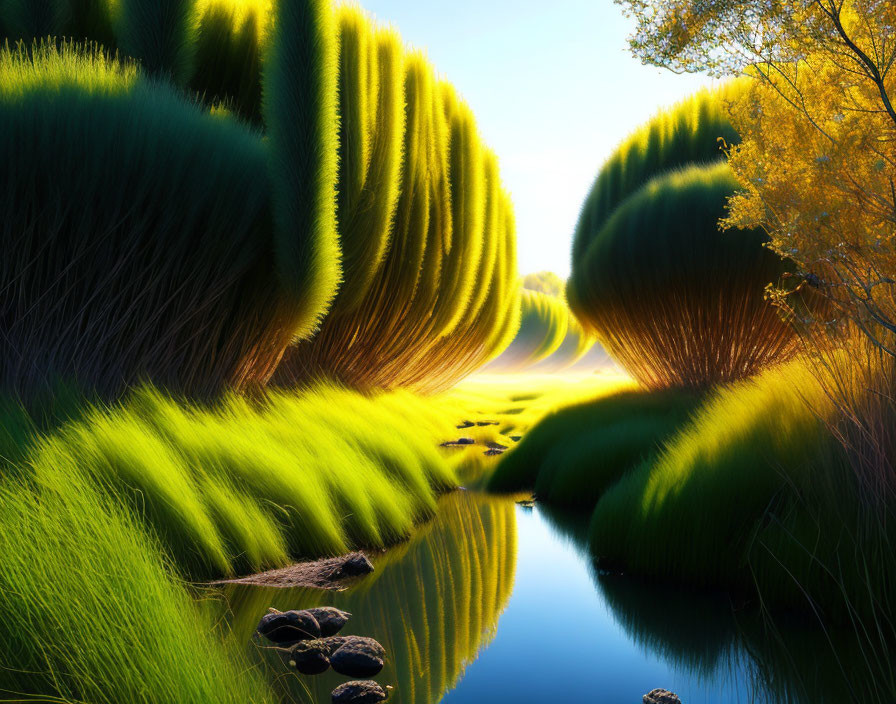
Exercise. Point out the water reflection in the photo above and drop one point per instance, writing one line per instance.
(433, 603)
(785, 659)
(567, 632)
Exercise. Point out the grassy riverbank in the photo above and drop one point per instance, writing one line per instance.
(108, 511)
(743, 488)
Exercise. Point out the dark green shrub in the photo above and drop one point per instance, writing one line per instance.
(672, 299)
(129, 256)
(161, 35)
(574, 455)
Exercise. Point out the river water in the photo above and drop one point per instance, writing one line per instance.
(495, 602)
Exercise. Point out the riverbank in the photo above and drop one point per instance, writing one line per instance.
(124, 505)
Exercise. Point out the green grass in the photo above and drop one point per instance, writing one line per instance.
(691, 513)
(672, 299)
(238, 486)
(104, 508)
(92, 611)
(166, 276)
(685, 134)
(572, 456)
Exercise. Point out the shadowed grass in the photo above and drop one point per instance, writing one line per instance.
(576, 453)
(730, 499)
(161, 35)
(164, 242)
(673, 300)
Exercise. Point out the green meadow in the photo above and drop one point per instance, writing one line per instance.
(261, 304)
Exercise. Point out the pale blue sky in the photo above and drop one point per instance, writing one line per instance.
(554, 90)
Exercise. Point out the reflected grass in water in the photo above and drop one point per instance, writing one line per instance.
(432, 602)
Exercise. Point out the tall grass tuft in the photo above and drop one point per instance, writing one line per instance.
(300, 114)
(235, 487)
(549, 339)
(686, 134)
(165, 276)
(442, 300)
(91, 610)
(673, 300)
(230, 45)
(161, 35)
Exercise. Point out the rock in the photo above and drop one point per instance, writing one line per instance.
(353, 565)
(357, 657)
(330, 619)
(310, 657)
(484, 423)
(495, 446)
(493, 453)
(461, 442)
(661, 696)
(285, 628)
(333, 643)
(516, 438)
(466, 424)
(526, 503)
(359, 692)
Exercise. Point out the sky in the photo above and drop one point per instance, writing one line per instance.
(554, 89)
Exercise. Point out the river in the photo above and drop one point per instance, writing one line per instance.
(492, 601)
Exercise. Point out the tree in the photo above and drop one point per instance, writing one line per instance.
(817, 162)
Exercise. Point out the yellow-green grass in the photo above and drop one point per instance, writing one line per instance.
(241, 486)
(550, 338)
(91, 609)
(576, 453)
(513, 405)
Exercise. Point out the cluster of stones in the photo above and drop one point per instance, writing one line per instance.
(310, 645)
(494, 448)
(661, 696)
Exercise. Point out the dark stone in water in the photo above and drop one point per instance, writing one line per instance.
(330, 619)
(493, 453)
(661, 696)
(310, 657)
(466, 424)
(495, 446)
(460, 442)
(366, 692)
(286, 628)
(357, 657)
(526, 503)
(516, 438)
(353, 565)
(484, 423)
